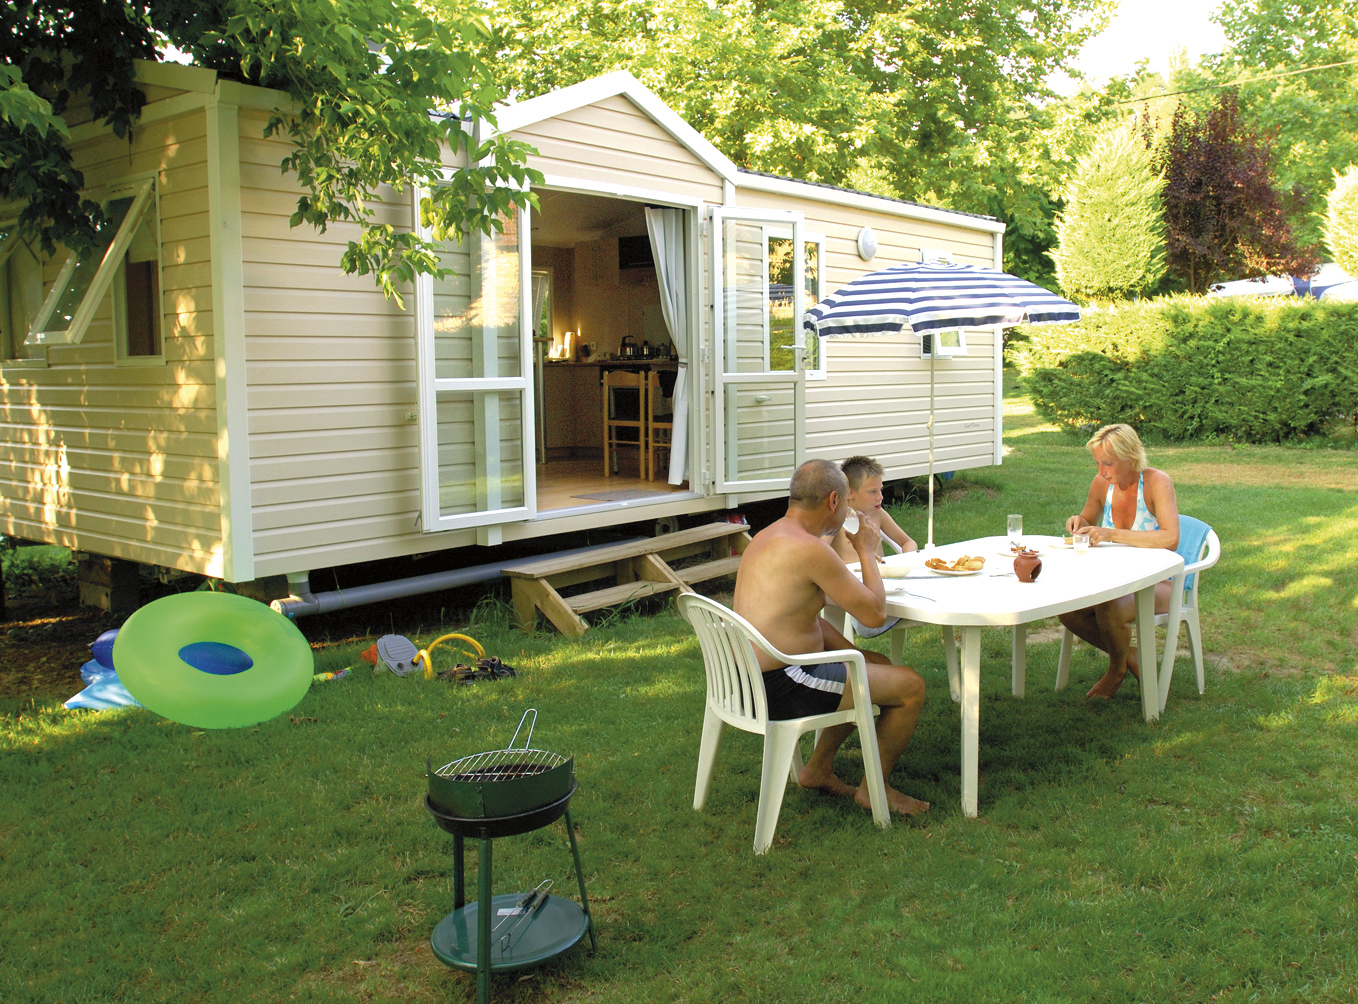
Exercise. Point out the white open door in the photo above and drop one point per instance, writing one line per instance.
(475, 377)
(758, 360)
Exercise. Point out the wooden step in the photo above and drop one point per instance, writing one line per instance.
(643, 562)
(708, 570)
(614, 595)
(651, 545)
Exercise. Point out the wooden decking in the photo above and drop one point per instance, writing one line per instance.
(561, 482)
(640, 568)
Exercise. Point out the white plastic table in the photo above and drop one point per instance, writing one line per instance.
(1068, 581)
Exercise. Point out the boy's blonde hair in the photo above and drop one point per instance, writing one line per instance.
(1124, 444)
(859, 469)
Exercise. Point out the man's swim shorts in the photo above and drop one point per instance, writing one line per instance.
(801, 691)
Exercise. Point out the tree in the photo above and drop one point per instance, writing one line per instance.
(1028, 243)
(1046, 149)
(376, 86)
(1341, 220)
(1312, 110)
(1223, 217)
(925, 100)
(1112, 231)
(35, 167)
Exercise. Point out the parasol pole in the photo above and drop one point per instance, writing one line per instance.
(933, 351)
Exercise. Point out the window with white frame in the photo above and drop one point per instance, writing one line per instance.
(20, 291)
(780, 326)
(126, 258)
(814, 275)
(138, 310)
(946, 343)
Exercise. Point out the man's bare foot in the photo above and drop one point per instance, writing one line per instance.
(824, 781)
(898, 803)
(1107, 687)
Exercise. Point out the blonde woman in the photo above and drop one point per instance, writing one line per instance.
(1128, 503)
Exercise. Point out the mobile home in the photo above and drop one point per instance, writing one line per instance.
(210, 392)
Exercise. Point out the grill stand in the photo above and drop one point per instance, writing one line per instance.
(451, 936)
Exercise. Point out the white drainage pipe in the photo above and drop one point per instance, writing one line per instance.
(303, 602)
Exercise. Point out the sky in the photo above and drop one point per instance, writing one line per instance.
(1147, 29)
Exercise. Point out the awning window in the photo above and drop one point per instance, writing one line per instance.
(85, 278)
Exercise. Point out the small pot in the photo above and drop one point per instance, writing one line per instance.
(1027, 566)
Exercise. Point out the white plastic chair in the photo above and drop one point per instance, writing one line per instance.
(1188, 614)
(735, 696)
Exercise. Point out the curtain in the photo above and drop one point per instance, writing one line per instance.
(666, 229)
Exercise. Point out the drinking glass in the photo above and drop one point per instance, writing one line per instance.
(1081, 543)
(1015, 528)
(851, 522)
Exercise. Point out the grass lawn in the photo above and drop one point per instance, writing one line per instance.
(1210, 856)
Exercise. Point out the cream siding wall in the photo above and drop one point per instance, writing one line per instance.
(875, 399)
(330, 367)
(122, 460)
(613, 142)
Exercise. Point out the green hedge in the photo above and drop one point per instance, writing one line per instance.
(1181, 368)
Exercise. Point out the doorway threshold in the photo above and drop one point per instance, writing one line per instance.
(591, 508)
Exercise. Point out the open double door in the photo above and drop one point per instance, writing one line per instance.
(475, 371)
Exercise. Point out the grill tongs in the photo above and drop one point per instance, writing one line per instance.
(526, 911)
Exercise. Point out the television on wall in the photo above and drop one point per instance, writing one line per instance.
(635, 252)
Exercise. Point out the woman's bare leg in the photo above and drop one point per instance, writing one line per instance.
(1085, 626)
(1114, 619)
(1162, 591)
(1108, 627)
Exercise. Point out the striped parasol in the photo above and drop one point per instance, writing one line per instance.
(934, 296)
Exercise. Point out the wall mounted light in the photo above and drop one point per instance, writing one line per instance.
(867, 244)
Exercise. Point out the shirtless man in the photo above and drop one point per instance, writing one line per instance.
(786, 575)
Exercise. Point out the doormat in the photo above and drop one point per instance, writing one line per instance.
(621, 495)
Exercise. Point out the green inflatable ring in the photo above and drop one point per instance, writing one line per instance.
(213, 660)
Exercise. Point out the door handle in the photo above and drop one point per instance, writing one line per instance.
(762, 399)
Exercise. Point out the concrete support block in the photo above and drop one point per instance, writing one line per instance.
(111, 584)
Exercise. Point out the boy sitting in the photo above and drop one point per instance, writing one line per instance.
(865, 496)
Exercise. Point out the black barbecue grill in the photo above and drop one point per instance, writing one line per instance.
(502, 793)
(502, 784)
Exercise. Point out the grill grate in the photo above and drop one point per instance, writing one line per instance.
(506, 764)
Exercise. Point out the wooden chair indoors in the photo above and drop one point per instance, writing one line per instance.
(625, 418)
(660, 428)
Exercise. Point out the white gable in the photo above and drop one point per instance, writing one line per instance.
(588, 92)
